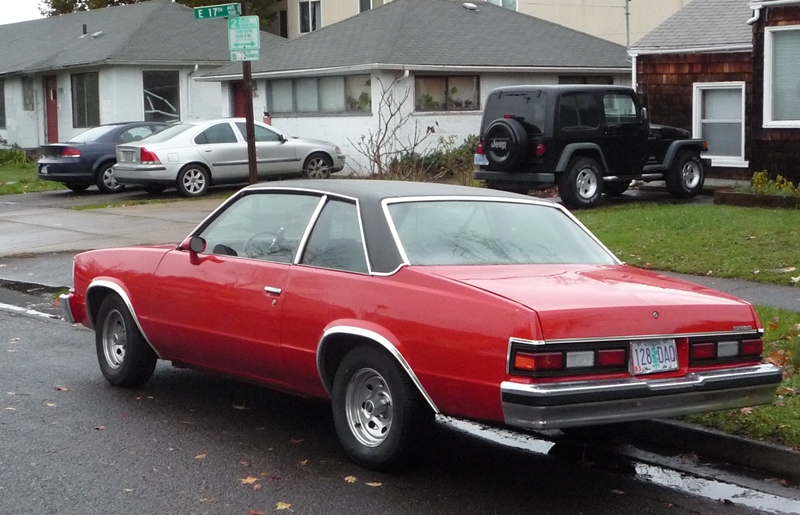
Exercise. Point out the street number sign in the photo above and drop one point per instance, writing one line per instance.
(217, 11)
(243, 33)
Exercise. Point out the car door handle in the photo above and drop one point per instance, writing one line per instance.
(206, 150)
(270, 289)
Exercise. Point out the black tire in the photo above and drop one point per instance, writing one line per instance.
(378, 413)
(615, 189)
(685, 178)
(76, 186)
(193, 180)
(505, 186)
(155, 189)
(105, 179)
(505, 144)
(317, 166)
(581, 185)
(125, 358)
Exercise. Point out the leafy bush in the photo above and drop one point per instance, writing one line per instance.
(446, 160)
(13, 155)
(763, 185)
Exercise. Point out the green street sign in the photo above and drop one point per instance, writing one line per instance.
(217, 11)
(243, 33)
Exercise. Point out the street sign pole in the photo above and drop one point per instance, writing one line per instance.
(247, 77)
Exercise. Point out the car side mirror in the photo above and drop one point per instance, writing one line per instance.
(197, 244)
(645, 116)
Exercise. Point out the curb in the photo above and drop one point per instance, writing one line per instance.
(710, 443)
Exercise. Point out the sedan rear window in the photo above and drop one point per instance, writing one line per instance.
(170, 132)
(93, 134)
(492, 233)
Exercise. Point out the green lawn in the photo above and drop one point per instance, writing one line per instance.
(21, 178)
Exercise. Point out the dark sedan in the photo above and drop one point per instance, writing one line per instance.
(87, 158)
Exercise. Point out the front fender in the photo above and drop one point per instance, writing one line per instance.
(676, 146)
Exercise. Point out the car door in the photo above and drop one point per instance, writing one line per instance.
(225, 151)
(275, 153)
(624, 134)
(220, 309)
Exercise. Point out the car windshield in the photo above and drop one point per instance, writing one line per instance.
(93, 134)
(468, 232)
(169, 132)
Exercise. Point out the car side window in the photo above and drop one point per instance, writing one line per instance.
(619, 108)
(219, 133)
(262, 133)
(267, 226)
(135, 134)
(578, 111)
(335, 242)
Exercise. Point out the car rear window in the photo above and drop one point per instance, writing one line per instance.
(169, 133)
(528, 107)
(93, 134)
(468, 232)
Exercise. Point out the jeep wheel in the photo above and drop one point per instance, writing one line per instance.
(615, 189)
(582, 184)
(685, 178)
(506, 144)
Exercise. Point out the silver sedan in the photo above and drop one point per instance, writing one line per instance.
(194, 155)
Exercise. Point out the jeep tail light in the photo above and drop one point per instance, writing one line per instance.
(752, 347)
(71, 152)
(540, 150)
(147, 157)
(539, 361)
(479, 148)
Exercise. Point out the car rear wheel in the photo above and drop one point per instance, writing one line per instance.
(193, 181)
(105, 179)
(317, 166)
(125, 358)
(581, 185)
(378, 412)
(685, 179)
(76, 186)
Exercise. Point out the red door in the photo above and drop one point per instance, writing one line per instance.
(238, 99)
(51, 108)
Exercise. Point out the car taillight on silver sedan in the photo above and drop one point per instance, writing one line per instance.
(148, 158)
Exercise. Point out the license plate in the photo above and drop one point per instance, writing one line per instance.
(649, 356)
(43, 171)
(481, 160)
(127, 155)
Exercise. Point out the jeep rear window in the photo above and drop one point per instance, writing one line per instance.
(527, 107)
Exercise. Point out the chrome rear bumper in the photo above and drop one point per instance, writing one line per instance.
(556, 405)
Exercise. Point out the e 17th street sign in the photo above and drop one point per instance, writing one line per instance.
(217, 11)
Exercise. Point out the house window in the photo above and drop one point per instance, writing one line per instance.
(2, 105)
(283, 24)
(718, 118)
(85, 100)
(310, 16)
(446, 93)
(508, 4)
(28, 94)
(161, 92)
(364, 5)
(313, 95)
(781, 77)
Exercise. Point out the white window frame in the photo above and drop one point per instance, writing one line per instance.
(697, 112)
(768, 122)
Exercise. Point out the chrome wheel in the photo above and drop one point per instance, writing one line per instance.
(194, 181)
(114, 339)
(109, 180)
(317, 167)
(368, 406)
(586, 183)
(691, 174)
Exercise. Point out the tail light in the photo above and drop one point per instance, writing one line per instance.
(147, 157)
(71, 152)
(540, 150)
(568, 359)
(479, 148)
(725, 351)
(539, 361)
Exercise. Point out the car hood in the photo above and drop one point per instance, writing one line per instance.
(579, 301)
(312, 142)
(667, 132)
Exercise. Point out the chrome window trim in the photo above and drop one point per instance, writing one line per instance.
(301, 247)
(380, 340)
(657, 336)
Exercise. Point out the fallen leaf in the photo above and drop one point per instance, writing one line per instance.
(746, 411)
(254, 512)
(303, 462)
(242, 407)
(785, 269)
(50, 404)
(11, 409)
(350, 479)
(245, 463)
(128, 489)
(710, 272)
(299, 440)
(249, 480)
(283, 506)
(138, 397)
(100, 428)
(751, 237)
(796, 279)
(149, 396)
(756, 272)
(374, 484)
(62, 389)
(257, 486)
(618, 492)
(200, 456)
(13, 340)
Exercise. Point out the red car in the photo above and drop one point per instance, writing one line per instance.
(403, 300)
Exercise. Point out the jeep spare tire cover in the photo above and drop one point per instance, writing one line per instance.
(506, 144)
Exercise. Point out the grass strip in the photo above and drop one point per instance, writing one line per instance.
(22, 178)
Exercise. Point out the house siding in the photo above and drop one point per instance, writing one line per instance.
(665, 83)
(773, 150)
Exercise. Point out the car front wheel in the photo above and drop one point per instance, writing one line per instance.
(125, 358)
(378, 412)
(685, 179)
(317, 166)
(105, 179)
(581, 185)
(193, 181)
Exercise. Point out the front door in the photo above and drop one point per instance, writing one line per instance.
(625, 134)
(51, 108)
(275, 155)
(239, 110)
(224, 152)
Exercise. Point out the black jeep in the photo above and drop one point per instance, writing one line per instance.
(588, 140)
